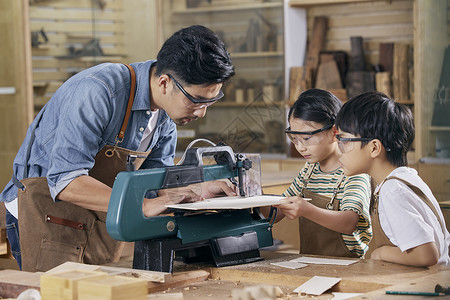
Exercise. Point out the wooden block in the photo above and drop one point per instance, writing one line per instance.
(328, 76)
(112, 288)
(383, 83)
(64, 285)
(400, 75)
(239, 95)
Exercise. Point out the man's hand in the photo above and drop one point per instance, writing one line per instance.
(156, 206)
(212, 189)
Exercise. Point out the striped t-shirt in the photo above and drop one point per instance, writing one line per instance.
(353, 194)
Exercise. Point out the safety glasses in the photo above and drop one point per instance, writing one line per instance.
(346, 144)
(195, 101)
(307, 138)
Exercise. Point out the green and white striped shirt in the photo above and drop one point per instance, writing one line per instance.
(353, 194)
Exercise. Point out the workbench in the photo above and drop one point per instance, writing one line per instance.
(202, 281)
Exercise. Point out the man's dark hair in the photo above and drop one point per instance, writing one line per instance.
(375, 115)
(195, 55)
(316, 105)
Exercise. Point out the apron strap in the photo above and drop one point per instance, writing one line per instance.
(120, 136)
(336, 189)
(419, 193)
(307, 177)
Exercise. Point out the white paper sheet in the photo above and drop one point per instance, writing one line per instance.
(317, 285)
(343, 296)
(289, 264)
(324, 261)
(235, 202)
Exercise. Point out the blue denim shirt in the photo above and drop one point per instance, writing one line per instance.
(86, 113)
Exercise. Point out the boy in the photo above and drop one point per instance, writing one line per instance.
(375, 134)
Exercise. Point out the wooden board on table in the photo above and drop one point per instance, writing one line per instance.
(151, 276)
(14, 282)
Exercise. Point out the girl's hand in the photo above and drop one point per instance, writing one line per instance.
(294, 207)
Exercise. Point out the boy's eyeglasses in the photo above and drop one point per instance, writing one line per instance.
(195, 101)
(346, 144)
(307, 138)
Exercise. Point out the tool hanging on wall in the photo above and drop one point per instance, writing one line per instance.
(38, 38)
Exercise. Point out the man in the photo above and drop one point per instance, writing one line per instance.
(65, 168)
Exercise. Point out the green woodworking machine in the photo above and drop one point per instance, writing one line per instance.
(223, 237)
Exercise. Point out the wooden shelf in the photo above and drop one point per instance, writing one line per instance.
(256, 104)
(100, 58)
(439, 128)
(405, 102)
(256, 54)
(301, 3)
(211, 9)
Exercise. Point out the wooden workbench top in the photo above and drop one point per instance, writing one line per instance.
(365, 276)
(370, 277)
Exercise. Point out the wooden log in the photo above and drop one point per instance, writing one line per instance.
(383, 83)
(400, 81)
(357, 62)
(386, 56)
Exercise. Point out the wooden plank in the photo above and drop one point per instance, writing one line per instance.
(13, 282)
(384, 83)
(316, 44)
(400, 75)
(295, 77)
(179, 279)
(152, 276)
(387, 56)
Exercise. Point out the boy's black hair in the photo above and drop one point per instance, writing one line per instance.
(375, 115)
(316, 105)
(195, 55)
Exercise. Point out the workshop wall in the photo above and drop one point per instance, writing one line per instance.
(71, 35)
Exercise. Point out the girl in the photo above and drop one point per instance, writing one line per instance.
(333, 209)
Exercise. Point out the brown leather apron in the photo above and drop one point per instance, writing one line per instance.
(314, 238)
(379, 238)
(52, 233)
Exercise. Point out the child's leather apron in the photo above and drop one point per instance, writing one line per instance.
(314, 238)
(379, 237)
(52, 233)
